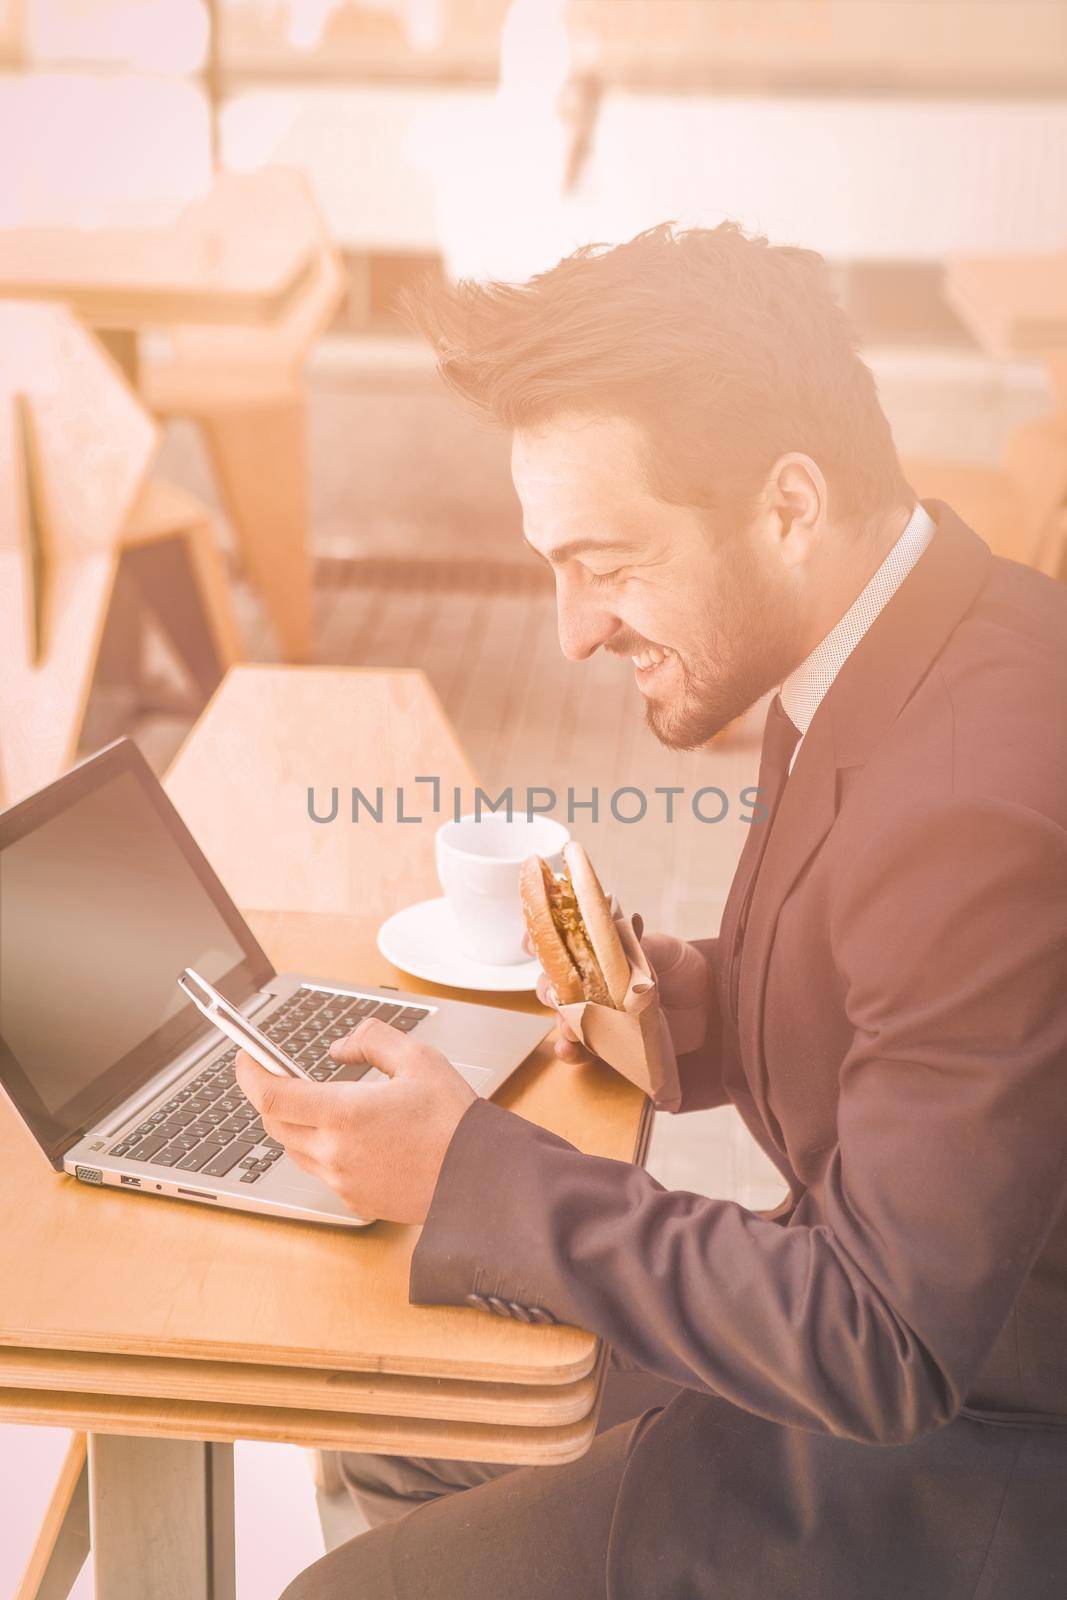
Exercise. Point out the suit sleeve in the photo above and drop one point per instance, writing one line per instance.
(870, 1312)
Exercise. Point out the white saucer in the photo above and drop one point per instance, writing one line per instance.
(423, 940)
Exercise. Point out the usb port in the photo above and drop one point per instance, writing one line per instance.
(131, 1183)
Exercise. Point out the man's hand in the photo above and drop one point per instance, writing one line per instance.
(378, 1145)
(684, 994)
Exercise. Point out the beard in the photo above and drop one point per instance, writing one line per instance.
(746, 641)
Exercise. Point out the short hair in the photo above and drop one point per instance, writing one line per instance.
(727, 350)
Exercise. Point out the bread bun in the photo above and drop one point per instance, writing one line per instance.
(599, 923)
(572, 930)
(549, 947)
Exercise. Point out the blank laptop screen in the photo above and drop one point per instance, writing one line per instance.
(101, 906)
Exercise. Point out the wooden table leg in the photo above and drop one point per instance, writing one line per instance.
(63, 1542)
(260, 457)
(169, 586)
(161, 1518)
(123, 345)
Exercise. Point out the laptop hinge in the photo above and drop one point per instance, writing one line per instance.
(58, 1151)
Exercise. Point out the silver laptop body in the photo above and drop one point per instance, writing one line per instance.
(106, 897)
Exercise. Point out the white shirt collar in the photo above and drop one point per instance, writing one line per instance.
(807, 686)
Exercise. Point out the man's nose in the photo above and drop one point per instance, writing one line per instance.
(583, 628)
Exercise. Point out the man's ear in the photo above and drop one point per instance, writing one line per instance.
(796, 501)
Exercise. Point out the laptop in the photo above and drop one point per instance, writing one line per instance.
(105, 898)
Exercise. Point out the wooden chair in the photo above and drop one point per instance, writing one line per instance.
(1016, 505)
(326, 1472)
(62, 1545)
(87, 541)
(244, 388)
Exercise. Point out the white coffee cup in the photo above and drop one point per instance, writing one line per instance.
(478, 861)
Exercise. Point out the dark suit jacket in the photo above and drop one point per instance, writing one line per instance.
(876, 1375)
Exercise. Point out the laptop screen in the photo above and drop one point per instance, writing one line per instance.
(104, 899)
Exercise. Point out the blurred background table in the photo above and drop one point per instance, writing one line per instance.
(213, 267)
(236, 291)
(1015, 307)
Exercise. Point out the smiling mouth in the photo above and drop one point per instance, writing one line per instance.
(649, 661)
(651, 656)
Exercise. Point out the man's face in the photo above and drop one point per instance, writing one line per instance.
(707, 613)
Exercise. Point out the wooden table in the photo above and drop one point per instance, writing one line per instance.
(217, 264)
(166, 1330)
(1014, 305)
(247, 273)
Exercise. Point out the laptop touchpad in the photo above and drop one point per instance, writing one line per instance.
(475, 1076)
(352, 1072)
(355, 1071)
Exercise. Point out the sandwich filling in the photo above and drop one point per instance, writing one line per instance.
(567, 916)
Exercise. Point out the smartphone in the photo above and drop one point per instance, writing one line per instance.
(238, 1028)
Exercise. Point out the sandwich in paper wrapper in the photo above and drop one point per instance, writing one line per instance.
(592, 956)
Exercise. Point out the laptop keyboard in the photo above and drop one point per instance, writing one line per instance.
(209, 1127)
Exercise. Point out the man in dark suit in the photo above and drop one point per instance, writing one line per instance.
(864, 1394)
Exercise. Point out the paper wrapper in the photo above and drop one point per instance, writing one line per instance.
(635, 1040)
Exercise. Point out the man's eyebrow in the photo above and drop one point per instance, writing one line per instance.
(575, 547)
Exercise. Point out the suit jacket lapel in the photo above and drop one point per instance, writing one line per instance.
(805, 817)
(863, 702)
